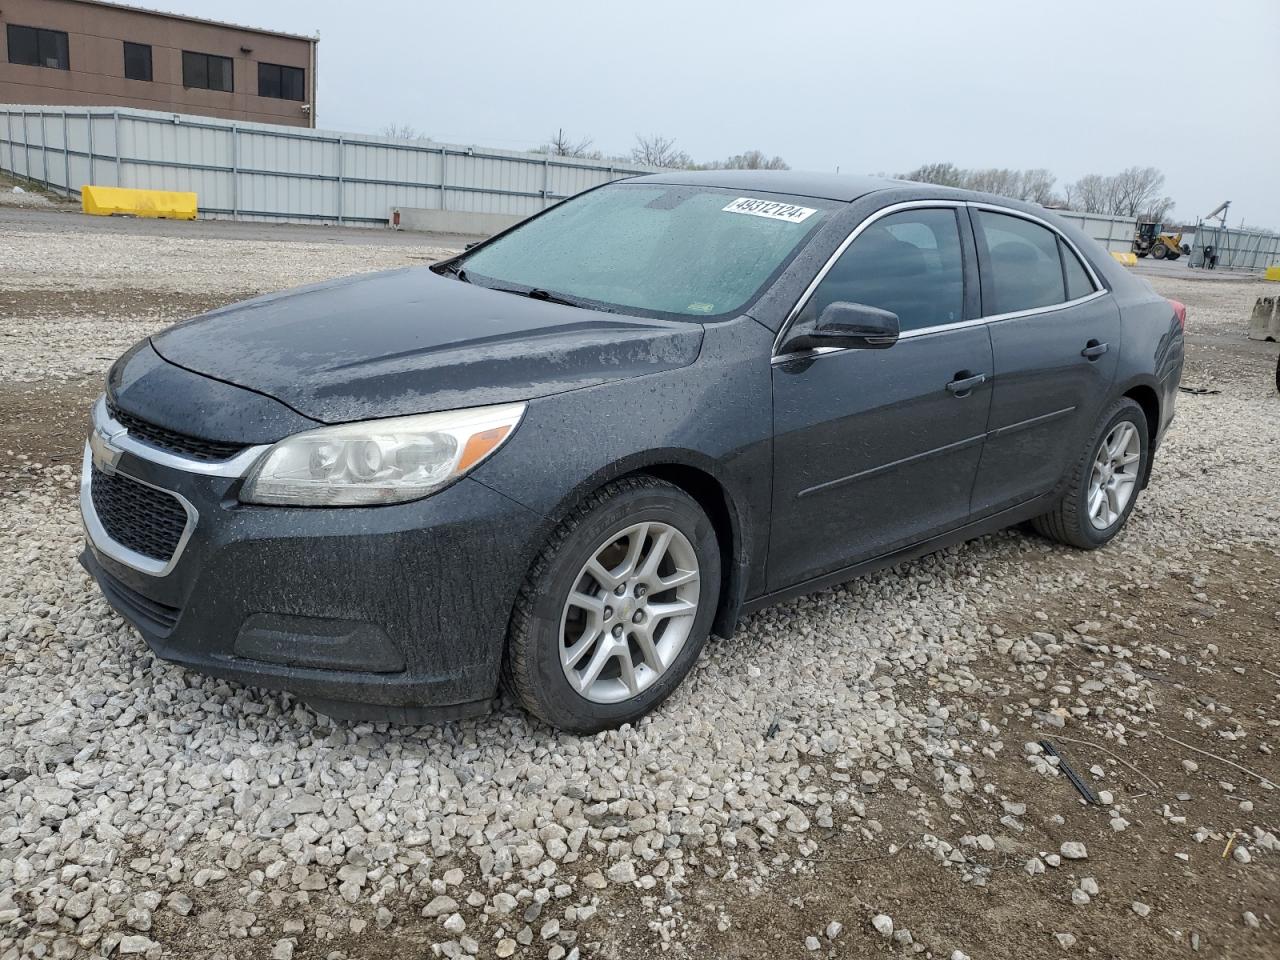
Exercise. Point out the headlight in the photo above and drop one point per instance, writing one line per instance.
(379, 461)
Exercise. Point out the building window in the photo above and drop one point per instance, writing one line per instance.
(137, 61)
(206, 71)
(37, 47)
(283, 83)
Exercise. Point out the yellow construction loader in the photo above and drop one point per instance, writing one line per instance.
(1148, 239)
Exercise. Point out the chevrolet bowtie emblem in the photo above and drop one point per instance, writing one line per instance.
(102, 442)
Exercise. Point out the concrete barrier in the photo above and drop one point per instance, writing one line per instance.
(1128, 259)
(424, 220)
(165, 204)
(1273, 273)
(1264, 323)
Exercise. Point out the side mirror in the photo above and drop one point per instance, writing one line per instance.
(849, 326)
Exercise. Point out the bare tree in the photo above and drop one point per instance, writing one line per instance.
(1133, 192)
(943, 174)
(1037, 186)
(659, 151)
(562, 145)
(402, 131)
(751, 160)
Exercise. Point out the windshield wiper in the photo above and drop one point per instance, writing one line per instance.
(455, 270)
(537, 293)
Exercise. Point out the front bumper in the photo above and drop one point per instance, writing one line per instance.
(393, 613)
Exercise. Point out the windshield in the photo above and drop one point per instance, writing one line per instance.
(657, 249)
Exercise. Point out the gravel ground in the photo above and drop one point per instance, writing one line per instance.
(854, 773)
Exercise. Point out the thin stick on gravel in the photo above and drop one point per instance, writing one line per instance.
(1113, 755)
(882, 856)
(1214, 756)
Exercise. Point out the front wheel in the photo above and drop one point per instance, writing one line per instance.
(1158, 250)
(1104, 482)
(616, 608)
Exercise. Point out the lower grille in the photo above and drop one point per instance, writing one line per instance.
(207, 451)
(148, 615)
(147, 521)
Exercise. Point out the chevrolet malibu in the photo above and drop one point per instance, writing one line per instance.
(561, 459)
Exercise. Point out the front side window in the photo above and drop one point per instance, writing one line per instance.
(908, 263)
(1025, 267)
(137, 61)
(206, 71)
(281, 82)
(37, 47)
(653, 249)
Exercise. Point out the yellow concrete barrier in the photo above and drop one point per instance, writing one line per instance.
(166, 204)
(1128, 259)
(1273, 273)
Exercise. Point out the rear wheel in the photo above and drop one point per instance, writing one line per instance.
(616, 608)
(1104, 482)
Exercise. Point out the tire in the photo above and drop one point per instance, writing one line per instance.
(1142, 254)
(1172, 256)
(545, 623)
(1159, 250)
(1070, 521)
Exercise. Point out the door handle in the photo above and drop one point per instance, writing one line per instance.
(1093, 350)
(965, 382)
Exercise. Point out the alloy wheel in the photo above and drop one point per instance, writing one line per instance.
(1115, 475)
(629, 612)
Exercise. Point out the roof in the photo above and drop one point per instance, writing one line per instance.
(826, 186)
(204, 20)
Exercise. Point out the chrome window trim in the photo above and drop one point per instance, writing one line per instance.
(1099, 289)
(102, 542)
(106, 425)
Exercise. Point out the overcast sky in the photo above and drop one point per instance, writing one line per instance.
(1079, 87)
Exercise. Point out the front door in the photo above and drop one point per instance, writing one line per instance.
(1055, 356)
(878, 449)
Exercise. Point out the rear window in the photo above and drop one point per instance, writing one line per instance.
(1078, 282)
(1024, 264)
(664, 250)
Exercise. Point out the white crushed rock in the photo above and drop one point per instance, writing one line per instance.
(127, 783)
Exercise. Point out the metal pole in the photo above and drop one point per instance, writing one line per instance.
(116, 121)
(546, 181)
(235, 172)
(66, 157)
(88, 120)
(444, 166)
(8, 126)
(44, 151)
(342, 143)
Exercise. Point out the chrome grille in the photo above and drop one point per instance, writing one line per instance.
(207, 451)
(141, 518)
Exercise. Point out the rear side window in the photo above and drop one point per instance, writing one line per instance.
(1025, 267)
(1078, 282)
(908, 263)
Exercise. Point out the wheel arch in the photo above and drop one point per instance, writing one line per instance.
(698, 477)
(1146, 396)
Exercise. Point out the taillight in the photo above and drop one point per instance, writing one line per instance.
(1180, 311)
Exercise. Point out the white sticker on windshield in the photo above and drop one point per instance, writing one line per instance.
(771, 209)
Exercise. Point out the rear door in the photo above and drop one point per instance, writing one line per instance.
(878, 449)
(1055, 338)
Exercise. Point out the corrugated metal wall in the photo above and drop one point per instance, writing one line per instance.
(255, 171)
(1223, 248)
(1114, 233)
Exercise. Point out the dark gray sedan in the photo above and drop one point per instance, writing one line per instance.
(566, 456)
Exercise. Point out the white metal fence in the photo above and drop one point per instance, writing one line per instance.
(1220, 247)
(256, 171)
(1114, 233)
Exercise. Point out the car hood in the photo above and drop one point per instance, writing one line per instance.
(411, 341)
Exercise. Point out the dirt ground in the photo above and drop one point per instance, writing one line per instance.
(1209, 610)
